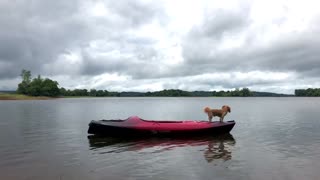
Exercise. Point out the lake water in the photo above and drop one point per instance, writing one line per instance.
(274, 138)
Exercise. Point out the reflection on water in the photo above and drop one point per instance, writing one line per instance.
(276, 138)
(213, 147)
(220, 148)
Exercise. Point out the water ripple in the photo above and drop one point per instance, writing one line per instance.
(219, 147)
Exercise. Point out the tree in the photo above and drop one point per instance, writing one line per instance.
(38, 86)
(308, 92)
(100, 93)
(63, 91)
(26, 80)
(35, 87)
(26, 76)
(49, 88)
(246, 92)
(93, 92)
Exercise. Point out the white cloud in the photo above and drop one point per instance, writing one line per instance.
(146, 45)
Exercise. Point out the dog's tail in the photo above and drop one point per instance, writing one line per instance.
(206, 110)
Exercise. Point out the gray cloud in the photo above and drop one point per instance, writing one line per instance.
(135, 13)
(65, 39)
(40, 31)
(35, 32)
(292, 52)
(221, 23)
(298, 54)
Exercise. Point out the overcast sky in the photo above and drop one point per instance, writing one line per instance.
(153, 45)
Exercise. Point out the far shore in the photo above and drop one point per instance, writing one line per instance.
(14, 96)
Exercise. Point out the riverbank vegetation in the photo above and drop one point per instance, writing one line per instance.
(310, 92)
(245, 92)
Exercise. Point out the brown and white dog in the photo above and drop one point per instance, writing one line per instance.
(217, 112)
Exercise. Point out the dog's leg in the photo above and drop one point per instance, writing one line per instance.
(210, 116)
(222, 116)
(221, 119)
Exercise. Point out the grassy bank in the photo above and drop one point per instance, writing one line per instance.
(6, 96)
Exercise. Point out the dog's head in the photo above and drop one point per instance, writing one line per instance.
(206, 109)
(226, 108)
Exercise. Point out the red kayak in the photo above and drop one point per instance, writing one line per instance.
(135, 126)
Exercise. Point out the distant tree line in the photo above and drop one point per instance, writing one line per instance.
(307, 92)
(46, 87)
(245, 92)
(85, 92)
(169, 93)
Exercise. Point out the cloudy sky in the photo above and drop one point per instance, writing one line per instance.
(129, 45)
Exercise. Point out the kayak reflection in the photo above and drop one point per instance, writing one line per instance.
(215, 147)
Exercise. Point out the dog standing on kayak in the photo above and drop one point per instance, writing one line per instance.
(217, 112)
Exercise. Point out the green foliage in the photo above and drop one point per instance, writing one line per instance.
(38, 86)
(26, 76)
(93, 92)
(47, 87)
(245, 92)
(22, 87)
(169, 93)
(307, 92)
(26, 80)
(85, 92)
(164, 93)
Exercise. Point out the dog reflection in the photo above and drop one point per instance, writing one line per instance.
(219, 149)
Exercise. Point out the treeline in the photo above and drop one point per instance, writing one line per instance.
(46, 87)
(164, 93)
(244, 92)
(105, 93)
(307, 92)
(85, 92)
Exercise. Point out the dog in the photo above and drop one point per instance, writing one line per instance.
(217, 112)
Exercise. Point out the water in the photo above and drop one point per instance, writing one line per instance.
(274, 138)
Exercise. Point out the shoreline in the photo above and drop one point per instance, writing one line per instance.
(9, 97)
(5, 96)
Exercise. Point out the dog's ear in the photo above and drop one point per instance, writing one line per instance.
(229, 109)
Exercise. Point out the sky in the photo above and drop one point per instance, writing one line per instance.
(143, 45)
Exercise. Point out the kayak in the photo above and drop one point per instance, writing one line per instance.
(135, 126)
